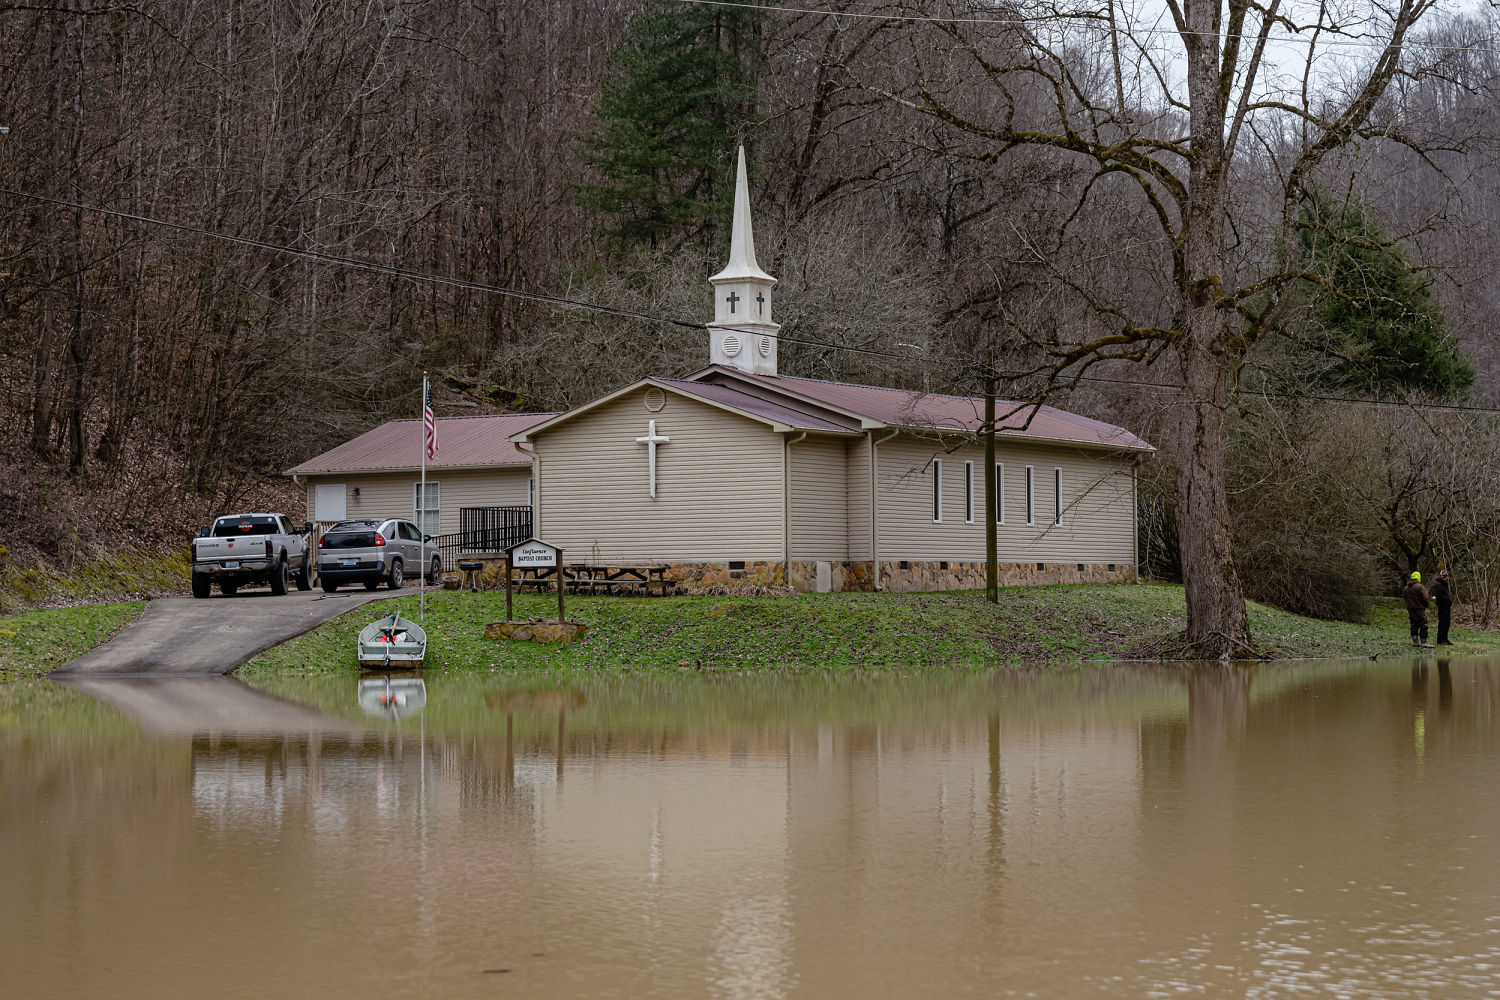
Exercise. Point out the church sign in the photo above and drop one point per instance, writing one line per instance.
(534, 554)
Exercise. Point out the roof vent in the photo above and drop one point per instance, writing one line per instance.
(655, 399)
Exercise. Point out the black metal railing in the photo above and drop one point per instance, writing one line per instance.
(484, 529)
(492, 529)
(450, 549)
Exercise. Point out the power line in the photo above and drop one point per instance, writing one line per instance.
(392, 270)
(1018, 22)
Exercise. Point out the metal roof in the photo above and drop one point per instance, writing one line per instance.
(463, 442)
(905, 408)
(781, 412)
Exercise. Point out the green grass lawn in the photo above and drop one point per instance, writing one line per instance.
(1030, 624)
(812, 631)
(34, 642)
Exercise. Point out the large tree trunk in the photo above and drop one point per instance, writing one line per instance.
(1217, 623)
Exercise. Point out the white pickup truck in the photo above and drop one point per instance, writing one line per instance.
(243, 549)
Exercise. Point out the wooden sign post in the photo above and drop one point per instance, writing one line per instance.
(539, 555)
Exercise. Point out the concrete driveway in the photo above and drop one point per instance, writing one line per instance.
(181, 635)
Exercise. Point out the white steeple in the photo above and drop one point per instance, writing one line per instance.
(742, 334)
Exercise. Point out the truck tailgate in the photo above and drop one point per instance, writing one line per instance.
(213, 549)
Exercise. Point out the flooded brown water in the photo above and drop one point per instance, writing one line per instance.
(1323, 829)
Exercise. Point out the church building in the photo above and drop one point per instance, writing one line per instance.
(737, 473)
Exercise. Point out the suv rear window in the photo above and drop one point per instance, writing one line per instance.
(234, 527)
(354, 526)
(349, 540)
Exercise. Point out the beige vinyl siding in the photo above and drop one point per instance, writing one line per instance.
(719, 493)
(1098, 524)
(391, 494)
(857, 462)
(819, 502)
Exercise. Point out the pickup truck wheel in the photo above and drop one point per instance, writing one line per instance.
(304, 578)
(201, 584)
(435, 575)
(396, 577)
(278, 578)
(329, 586)
(229, 588)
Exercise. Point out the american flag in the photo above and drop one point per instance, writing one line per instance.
(429, 422)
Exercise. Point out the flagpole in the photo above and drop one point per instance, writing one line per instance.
(422, 528)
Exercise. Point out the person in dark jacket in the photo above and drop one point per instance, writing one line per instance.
(1442, 596)
(1416, 609)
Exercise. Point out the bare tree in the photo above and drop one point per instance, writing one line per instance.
(1216, 148)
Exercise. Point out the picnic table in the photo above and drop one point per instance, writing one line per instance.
(597, 578)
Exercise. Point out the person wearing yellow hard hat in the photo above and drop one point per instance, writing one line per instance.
(1416, 609)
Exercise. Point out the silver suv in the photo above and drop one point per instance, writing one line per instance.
(372, 552)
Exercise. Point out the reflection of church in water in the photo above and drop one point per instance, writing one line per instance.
(790, 845)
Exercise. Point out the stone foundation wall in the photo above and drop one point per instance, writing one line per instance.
(898, 576)
(718, 574)
(905, 577)
(695, 574)
(843, 576)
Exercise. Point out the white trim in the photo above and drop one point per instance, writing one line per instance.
(1057, 504)
(776, 426)
(1030, 495)
(434, 492)
(937, 491)
(968, 493)
(999, 504)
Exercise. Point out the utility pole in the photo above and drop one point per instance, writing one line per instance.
(991, 542)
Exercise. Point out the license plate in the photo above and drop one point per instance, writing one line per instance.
(351, 562)
(231, 565)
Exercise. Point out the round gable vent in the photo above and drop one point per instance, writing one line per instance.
(655, 399)
(763, 344)
(732, 346)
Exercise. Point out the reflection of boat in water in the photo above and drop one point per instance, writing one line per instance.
(393, 642)
(392, 697)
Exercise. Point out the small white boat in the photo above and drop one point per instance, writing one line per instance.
(392, 643)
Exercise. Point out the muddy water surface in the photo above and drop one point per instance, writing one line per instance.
(1113, 832)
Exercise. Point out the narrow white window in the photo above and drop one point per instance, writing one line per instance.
(937, 489)
(1030, 496)
(968, 492)
(426, 511)
(999, 492)
(1056, 497)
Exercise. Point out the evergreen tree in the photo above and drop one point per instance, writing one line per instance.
(1372, 306)
(670, 116)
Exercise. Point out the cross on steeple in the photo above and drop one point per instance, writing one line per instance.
(760, 300)
(732, 298)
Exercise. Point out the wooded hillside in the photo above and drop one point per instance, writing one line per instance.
(584, 151)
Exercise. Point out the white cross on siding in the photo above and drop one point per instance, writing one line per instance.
(651, 440)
